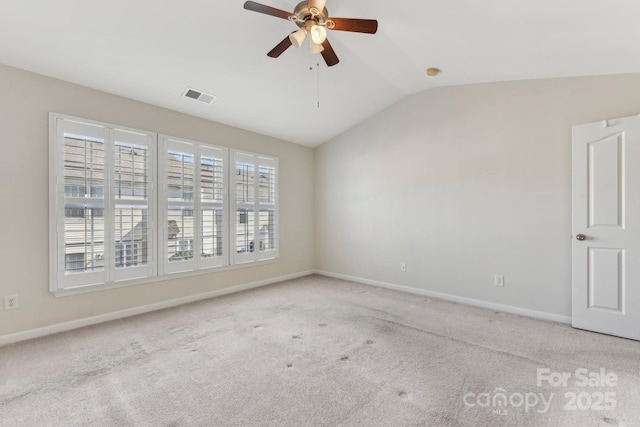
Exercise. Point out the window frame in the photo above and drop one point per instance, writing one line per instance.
(109, 275)
(193, 206)
(155, 271)
(256, 255)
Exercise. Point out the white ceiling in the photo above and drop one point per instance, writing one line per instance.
(153, 50)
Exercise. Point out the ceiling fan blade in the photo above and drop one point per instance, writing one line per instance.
(328, 54)
(267, 10)
(280, 48)
(369, 26)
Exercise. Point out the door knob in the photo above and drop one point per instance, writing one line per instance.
(581, 237)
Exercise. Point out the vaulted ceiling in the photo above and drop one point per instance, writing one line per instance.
(152, 51)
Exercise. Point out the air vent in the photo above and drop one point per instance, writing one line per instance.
(199, 96)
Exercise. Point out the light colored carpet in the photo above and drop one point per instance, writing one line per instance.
(316, 352)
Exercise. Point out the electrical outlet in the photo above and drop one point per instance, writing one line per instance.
(11, 302)
(403, 267)
(499, 280)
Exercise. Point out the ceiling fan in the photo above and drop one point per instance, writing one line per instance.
(313, 18)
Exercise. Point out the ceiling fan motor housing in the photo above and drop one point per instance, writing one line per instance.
(310, 16)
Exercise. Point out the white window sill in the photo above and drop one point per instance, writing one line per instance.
(167, 276)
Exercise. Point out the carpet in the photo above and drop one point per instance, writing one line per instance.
(319, 351)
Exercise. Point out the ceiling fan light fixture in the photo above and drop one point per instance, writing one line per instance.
(318, 34)
(316, 48)
(316, 6)
(298, 37)
(312, 17)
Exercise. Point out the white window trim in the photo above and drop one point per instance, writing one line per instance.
(197, 149)
(150, 270)
(258, 160)
(154, 271)
(59, 282)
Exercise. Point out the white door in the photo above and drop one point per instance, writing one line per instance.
(606, 227)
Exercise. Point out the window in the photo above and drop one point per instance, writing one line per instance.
(255, 207)
(129, 205)
(74, 262)
(133, 202)
(81, 212)
(97, 169)
(74, 212)
(194, 207)
(128, 254)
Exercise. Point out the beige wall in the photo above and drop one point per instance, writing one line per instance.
(464, 183)
(460, 183)
(25, 102)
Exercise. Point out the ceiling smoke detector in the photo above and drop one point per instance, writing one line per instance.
(198, 95)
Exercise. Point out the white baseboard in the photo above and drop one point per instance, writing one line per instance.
(75, 324)
(448, 297)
